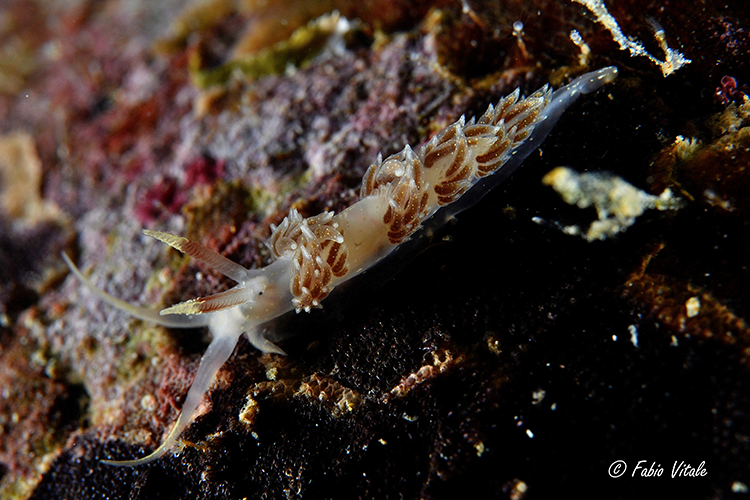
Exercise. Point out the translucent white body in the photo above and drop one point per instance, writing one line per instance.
(399, 195)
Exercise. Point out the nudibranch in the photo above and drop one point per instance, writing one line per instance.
(398, 197)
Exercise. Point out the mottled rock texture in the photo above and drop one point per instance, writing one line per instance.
(504, 357)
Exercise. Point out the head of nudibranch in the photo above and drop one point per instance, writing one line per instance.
(399, 196)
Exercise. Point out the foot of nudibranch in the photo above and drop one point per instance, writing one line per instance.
(256, 338)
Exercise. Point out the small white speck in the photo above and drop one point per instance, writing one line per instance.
(537, 396)
(693, 307)
(529, 433)
(480, 448)
(739, 487)
(614, 337)
(149, 403)
(674, 342)
(633, 335)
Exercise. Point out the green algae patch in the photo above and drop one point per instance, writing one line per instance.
(226, 204)
(302, 45)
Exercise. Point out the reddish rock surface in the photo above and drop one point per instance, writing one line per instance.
(506, 358)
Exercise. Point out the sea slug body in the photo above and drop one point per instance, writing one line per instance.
(398, 197)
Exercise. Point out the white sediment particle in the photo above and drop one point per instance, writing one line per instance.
(673, 60)
(149, 403)
(537, 396)
(480, 448)
(617, 202)
(585, 55)
(633, 335)
(692, 307)
(717, 201)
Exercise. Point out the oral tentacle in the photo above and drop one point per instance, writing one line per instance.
(197, 251)
(212, 303)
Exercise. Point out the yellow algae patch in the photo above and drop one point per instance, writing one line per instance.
(21, 181)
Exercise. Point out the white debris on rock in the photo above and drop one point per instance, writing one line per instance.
(633, 335)
(693, 307)
(585, 55)
(617, 202)
(673, 60)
